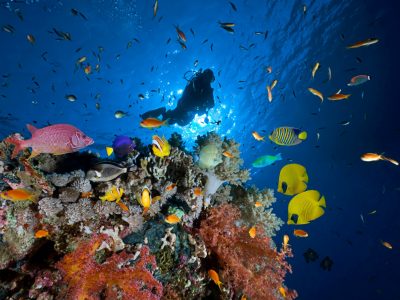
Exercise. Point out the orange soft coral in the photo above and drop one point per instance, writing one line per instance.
(87, 280)
(250, 265)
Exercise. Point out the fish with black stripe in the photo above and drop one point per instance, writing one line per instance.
(287, 136)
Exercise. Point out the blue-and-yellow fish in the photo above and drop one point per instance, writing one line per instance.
(161, 148)
(287, 136)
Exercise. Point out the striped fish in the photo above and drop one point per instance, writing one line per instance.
(287, 136)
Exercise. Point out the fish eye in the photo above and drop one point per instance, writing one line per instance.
(294, 218)
(284, 186)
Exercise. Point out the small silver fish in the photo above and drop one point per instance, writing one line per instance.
(106, 171)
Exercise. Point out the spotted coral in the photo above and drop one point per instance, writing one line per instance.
(88, 279)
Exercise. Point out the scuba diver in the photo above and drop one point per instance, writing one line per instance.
(197, 98)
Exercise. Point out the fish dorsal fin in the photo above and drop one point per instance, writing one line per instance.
(32, 129)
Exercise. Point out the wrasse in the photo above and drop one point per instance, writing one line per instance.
(359, 79)
(363, 43)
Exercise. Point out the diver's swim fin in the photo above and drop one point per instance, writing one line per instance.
(155, 113)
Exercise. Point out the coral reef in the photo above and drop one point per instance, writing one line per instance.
(248, 265)
(106, 245)
(88, 279)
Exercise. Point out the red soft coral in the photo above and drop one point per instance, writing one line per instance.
(250, 265)
(87, 279)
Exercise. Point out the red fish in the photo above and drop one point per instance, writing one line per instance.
(55, 139)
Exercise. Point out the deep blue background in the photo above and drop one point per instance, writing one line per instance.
(363, 268)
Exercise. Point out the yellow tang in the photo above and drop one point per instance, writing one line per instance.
(306, 207)
(293, 179)
(287, 136)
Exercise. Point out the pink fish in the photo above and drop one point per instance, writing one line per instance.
(55, 139)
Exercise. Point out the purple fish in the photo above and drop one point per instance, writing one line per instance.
(123, 145)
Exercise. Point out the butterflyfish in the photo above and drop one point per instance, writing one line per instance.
(287, 136)
(306, 207)
(293, 179)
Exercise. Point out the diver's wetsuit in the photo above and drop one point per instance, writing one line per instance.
(197, 98)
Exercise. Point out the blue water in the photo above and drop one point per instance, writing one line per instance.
(363, 268)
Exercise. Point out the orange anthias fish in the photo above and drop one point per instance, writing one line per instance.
(253, 232)
(170, 187)
(18, 195)
(300, 233)
(387, 245)
(285, 242)
(172, 219)
(258, 204)
(197, 192)
(375, 157)
(181, 35)
(88, 70)
(338, 96)
(257, 136)
(153, 123)
(214, 276)
(41, 233)
(269, 90)
(282, 291)
(31, 39)
(316, 93)
(228, 154)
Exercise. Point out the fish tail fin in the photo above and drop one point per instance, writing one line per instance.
(145, 210)
(166, 122)
(322, 202)
(279, 156)
(18, 143)
(303, 135)
(395, 162)
(219, 285)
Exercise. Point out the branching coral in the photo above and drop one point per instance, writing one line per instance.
(254, 204)
(251, 266)
(115, 278)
